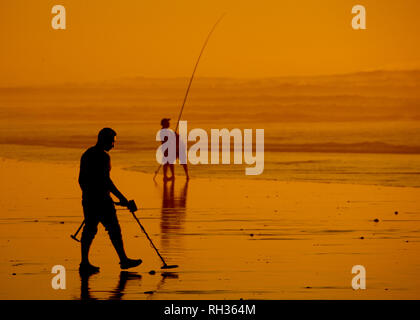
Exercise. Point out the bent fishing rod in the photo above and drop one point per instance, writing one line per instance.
(191, 80)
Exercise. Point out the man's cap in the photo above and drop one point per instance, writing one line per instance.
(164, 120)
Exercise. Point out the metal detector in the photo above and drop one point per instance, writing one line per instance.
(133, 208)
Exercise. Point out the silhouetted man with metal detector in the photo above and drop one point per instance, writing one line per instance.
(98, 206)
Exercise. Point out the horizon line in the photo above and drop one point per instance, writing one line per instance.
(250, 78)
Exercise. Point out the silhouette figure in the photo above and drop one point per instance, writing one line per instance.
(84, 287)
(165, 125)
(116, 294)
(98, 206)
(165, 275)
(173, 210)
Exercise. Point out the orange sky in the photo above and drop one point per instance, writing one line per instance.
(162, 38)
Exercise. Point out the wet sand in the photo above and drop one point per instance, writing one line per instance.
(231, 238)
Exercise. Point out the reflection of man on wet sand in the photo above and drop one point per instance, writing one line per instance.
(173, 212)
(179, 148)
(98, 206)
(116, 294)
(120, 290)
(170, 201)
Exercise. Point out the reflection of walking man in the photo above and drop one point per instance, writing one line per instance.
(98, 206)
(180, 147)
(116, 294)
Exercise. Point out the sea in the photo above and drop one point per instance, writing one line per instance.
(361, 128)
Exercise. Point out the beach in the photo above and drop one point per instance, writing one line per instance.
(301, 126)
(232, 238)
(340, 188)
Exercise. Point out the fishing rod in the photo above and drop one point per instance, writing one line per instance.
(191, 80)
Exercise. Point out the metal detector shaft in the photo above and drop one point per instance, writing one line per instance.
(142, 228)
(73, 236)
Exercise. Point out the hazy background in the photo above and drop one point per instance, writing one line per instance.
(358, 128)
(162, 38)
(337, 105)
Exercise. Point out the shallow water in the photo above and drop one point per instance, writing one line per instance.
(400, 170)
(357, 128)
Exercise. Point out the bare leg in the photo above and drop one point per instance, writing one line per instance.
(113, 227)
(165, 172)
(118, 246)
(172, 170)
(186, 171)
(89, 232)
(85, 246)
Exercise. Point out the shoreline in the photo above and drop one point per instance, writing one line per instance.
(216, 174)
(296, 240)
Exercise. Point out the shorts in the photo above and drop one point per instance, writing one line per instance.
(104, 212)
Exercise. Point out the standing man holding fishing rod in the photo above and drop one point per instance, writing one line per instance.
(98, 206)
(185, 100)
(180, 147)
